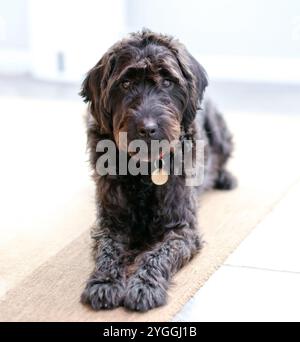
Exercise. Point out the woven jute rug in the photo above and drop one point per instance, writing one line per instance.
(42, 281)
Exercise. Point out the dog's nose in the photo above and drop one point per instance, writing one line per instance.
(147, 129)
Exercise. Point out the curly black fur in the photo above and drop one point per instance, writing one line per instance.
(145, 233)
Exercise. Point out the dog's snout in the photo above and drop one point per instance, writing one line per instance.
(147, 129)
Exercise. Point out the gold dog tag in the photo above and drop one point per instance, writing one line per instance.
(159, 176)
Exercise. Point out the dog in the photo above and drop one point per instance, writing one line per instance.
(149, 86)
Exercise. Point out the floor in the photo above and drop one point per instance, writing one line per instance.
(260, 281)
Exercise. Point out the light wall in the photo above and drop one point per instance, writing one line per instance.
(14, 36)
(255, 40)
(68, 37)
(261, 28)
(247, 40)
(14, 24)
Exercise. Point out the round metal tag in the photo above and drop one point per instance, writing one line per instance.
(159, 176)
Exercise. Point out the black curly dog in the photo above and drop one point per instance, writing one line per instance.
(149, 86)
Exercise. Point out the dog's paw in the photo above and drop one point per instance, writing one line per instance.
(144, 295)
(103, 293)
(226, 181)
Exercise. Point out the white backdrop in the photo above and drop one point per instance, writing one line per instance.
(252, 40)
(78, 31)
(60, 39)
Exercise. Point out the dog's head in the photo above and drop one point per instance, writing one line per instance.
(146, 85)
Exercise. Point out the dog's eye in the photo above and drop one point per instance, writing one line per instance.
(166, 83)
(126, 85)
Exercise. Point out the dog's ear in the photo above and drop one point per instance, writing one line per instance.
(197, 81)
(94, 91)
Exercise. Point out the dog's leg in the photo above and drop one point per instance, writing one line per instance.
(220, 141)
(106, 285)
(147, 288)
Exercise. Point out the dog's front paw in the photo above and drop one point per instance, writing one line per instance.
(225, 181)
(143, 295)
(103, 293)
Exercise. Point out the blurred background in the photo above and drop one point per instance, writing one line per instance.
(251, 49)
